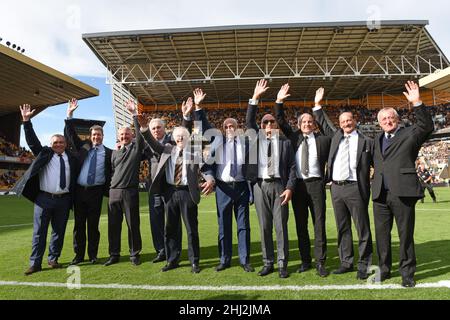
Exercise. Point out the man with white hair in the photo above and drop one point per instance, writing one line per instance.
(49, 183)
(177, 180)
(396, 187)
(124, 192)
(228, 152)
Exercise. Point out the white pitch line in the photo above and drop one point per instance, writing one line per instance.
(440, 284)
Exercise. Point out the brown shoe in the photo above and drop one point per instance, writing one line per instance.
(32, 270)
(54, 265)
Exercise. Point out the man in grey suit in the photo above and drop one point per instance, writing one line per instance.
(348, 168)
(396, 187)
(177, 180)
(274, 181)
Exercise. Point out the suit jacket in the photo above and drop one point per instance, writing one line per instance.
(286, 164)
(296, 138)
(153, 157)
(29, 184)
(82, 148)
(159, 183)
(398, 162)
(363, 155)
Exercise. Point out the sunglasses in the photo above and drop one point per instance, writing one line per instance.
(269, 121)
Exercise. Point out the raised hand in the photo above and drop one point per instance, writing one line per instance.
(187, 106)
(283, 93)
(131, 107)
(199, 96)
(413, 94)
(72, 106)
(319, 96)
(26, 112)
(144, 120)
(260, 88)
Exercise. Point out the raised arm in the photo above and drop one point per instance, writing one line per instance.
(69, 131)
(424, 121)
(199, 113)
(250, 120)
(279, 111)
(187, 107)
(326, 126)
(30, 136)
(143, 121)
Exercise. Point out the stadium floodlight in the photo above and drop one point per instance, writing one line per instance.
(22, 51)
(8, 43)
(1, 39)
(14, 46)
(18, 48)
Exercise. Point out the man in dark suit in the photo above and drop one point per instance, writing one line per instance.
(94, 161)
(228, 164)
(274, 181)
(311, 153)
(396, 187)
(348, 168)
(49, 183)
(177, 180)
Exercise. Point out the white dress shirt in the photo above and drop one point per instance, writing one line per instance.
(49, 176)
(313, 159)
(353, 150)
(263, 159)
(224, 167)
(170, 167)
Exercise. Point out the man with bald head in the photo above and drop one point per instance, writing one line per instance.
(232, 190)
(348, 168)
(311, 153)
(396, 187)
(49, 183)
(274, 182)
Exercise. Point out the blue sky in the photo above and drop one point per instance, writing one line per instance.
(50, 31)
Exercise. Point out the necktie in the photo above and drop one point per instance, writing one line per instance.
(270, 165)
(233, 170)
(62, 172)
(386, 142)
(305, 157)
(178, 169)
(92, 167)
(345, 153)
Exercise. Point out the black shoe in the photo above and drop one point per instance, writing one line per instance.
(32, 270)
(265, 271)
(159, 258)
(76, 261)
(385, 276)
(408, 282)
(282, 273)
(343, 269)
(321, 271)
(362, 275)
(169, 266)
(247, 267)
(222, 266)
(55, 264)
(195, 268)
(135, 261)
(111, 260)
(93, 260)
(304, 267)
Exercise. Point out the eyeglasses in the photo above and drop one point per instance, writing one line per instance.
(269, 121)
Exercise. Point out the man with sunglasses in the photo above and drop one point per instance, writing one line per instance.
(311, 153)
(274, 182)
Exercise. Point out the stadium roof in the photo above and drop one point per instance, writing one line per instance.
(350, 59)
(439, 80)
(24, 80)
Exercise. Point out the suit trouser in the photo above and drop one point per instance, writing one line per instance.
(348, 204)
(87, 210)
(156, 208)
(385, 209)
(310, 195)
(179, 205)
(271, 213)
(228, 197)
(54, 211)
(124, 201)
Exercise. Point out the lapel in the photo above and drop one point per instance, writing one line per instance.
(335, 145)
(361, 144)
(394, 140)
(316, 137)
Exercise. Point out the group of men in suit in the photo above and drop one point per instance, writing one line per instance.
(261, 167)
